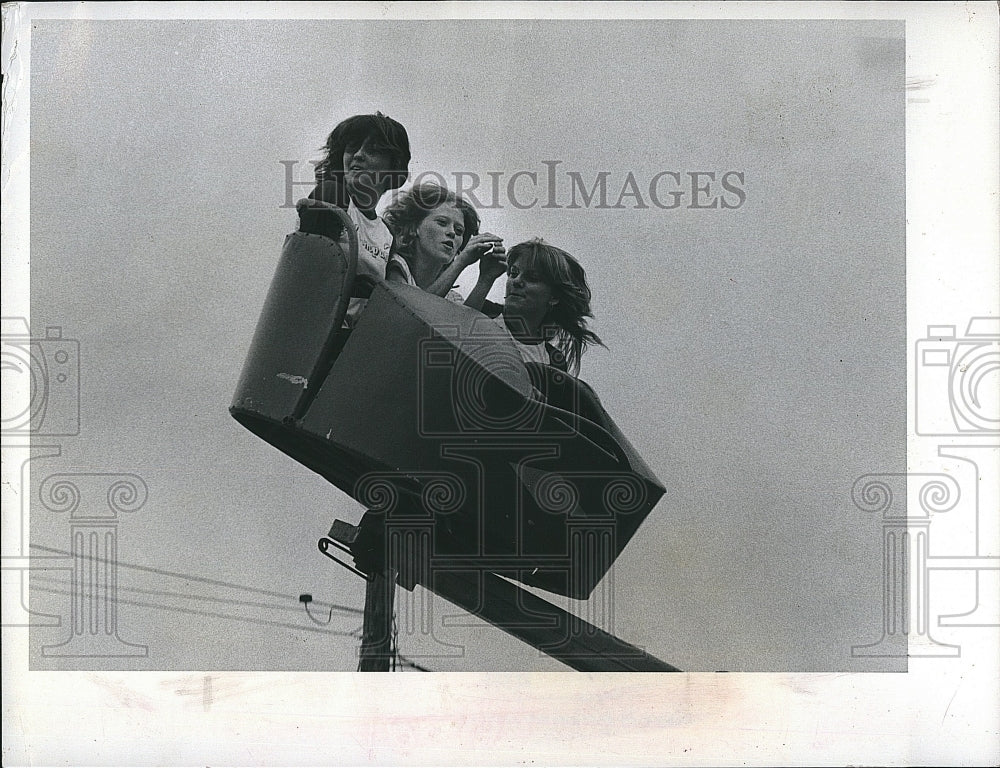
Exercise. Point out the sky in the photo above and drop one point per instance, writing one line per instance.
(755, 354)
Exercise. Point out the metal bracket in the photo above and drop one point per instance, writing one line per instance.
(324, 547)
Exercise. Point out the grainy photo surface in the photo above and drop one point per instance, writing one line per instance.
(771, 455)
(739, 212)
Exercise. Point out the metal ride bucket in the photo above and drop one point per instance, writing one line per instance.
(428, 417)
(296, 337)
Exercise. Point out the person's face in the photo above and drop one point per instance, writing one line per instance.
(527, 294)
(439, 235)
(367, 169)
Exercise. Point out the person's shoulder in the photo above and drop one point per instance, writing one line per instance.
(397, 266)
(354, 213)
(363, 221)
(557, 358)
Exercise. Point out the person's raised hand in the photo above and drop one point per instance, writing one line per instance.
(479, 246)
(493, 263)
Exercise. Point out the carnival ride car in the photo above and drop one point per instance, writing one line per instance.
(466, 458)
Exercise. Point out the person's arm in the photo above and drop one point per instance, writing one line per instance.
(446, 280)
(316, 219)
(492, 264)
(491, 309)
(473, 252)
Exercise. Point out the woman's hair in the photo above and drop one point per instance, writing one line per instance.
(354, 131)
(406, 213)
(568, 281)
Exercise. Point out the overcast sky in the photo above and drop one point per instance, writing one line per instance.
(755, 355)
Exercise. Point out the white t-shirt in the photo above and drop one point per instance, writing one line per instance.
(530, 353)
(374, 244)
(400, 262)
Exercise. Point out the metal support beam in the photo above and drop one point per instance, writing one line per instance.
(376, 634)
(542, 625)
(505, 605)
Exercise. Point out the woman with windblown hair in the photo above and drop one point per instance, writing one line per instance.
(546, 305)
(365, 156)
(435, 238)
